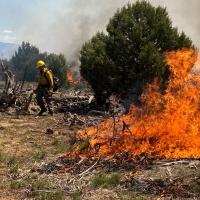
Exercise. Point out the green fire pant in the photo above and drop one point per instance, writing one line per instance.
(42, 97)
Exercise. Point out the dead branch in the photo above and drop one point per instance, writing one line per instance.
(12, 92)
(165, 163)
(9, 79)
(90, 168)
(70, 168)
(28, 101)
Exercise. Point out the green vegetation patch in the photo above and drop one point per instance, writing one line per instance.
(14, 169)
(44, 190)
(12, 161)
(105, 181)
(61, 146)
(15, 185)
(84, 145)
(76, 195)
(37, 156)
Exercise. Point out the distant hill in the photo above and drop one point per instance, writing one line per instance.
(7, 50)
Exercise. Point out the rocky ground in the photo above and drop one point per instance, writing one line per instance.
(27, 144)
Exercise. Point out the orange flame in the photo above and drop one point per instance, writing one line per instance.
(166, 126)
(70, 78)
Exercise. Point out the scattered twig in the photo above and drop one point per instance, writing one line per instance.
(172, 162)
(70, 168)
(90, 168)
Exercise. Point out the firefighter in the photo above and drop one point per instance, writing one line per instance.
(44, 89)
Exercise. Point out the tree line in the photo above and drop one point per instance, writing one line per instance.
(23, 63)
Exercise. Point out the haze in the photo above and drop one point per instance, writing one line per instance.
(62, 26)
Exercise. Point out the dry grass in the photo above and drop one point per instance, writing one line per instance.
(25, 147)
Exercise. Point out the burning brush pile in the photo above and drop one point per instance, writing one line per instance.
(166, 126)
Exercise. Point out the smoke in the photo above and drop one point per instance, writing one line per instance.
(69, 25)
(185, 15)
(62, 26)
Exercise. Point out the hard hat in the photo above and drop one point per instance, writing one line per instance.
(40, 64)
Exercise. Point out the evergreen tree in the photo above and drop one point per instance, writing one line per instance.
(24, 63)
(96, 68)
(133, 50)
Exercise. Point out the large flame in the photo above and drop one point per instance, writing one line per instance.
(165, 126)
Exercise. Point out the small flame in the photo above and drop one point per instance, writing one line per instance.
(71, 79)
(166, 126)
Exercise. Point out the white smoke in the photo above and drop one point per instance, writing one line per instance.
(72, 22)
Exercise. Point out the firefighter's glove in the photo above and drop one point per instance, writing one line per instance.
(50, 93)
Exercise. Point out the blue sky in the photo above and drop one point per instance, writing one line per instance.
(12, 14)
(62, 26)
(15, 13)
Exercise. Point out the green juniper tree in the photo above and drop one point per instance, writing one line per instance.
(96, 67)
(131, 54)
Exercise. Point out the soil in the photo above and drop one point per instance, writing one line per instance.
(26, 145)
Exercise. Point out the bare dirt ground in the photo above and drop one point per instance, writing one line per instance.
(25, 146)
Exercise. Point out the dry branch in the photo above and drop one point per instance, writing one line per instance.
(175, 162)
(90, 168)
(9, 79)
(12, 95)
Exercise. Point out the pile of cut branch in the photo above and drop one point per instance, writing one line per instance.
(77, 104)
(12, 94)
